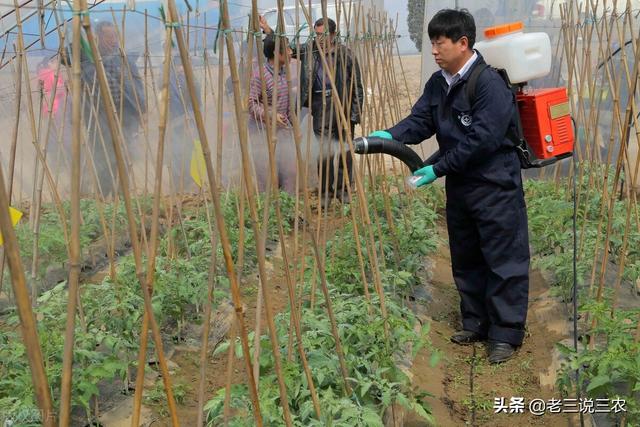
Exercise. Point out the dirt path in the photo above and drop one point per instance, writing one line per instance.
(463, 383)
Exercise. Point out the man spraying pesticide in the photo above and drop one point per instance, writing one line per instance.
(472, 109)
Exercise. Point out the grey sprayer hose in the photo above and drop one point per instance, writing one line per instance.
(374, 145)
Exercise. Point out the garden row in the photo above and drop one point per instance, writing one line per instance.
(107, 335)
(374, 377)
(608, 356)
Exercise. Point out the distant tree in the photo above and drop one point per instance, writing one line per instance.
(415, 21)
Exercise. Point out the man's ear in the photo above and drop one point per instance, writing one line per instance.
(464, 42)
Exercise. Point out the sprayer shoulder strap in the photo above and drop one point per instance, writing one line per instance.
(514, 133)
(470, 87)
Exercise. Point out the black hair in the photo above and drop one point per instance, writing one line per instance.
(453, 24)
(331, 22)
(269, 46)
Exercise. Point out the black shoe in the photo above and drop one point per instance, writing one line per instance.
(467, 337)
(500, 352)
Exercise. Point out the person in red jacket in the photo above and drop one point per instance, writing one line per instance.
(47, 70)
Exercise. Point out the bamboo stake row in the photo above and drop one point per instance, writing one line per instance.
(605, 51)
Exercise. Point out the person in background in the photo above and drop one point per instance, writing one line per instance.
(127, 90)
(260, 110)
(47, 70)
(316, 94)
(125, 83)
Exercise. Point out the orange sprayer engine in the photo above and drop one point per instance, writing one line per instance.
(546, 123)
(545, 129)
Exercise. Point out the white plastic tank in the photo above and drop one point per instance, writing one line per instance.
(525, 56)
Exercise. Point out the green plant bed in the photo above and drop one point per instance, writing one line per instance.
(107, 349)
(374, 378)
(550, 211)
(611, 369)
(192, 237)
(376, 381)
(52, 246)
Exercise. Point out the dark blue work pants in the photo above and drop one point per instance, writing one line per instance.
(489, 246)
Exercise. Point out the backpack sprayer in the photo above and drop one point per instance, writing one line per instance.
(543, 130)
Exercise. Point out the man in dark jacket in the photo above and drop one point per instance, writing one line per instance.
(316, 94)
(486, 213)
(127, 90)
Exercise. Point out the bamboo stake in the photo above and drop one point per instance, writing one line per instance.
(16, 127)
(32, 122)
(153, 244)
(12, 154)
(354, 219)
(314, 241)
(224, 239)
(220, 98)
(230, 358)
(40, 177)
(271, 142)
(207, 319)
(242, 125)
(27, 83)
(35, 213)
(23, 305)
(624, 132)
(109, 108)
(74, 247)
(364, 211)
(144, 125)
(613, 83)
(630, 119)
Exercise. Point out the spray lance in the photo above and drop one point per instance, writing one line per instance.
(377, 145)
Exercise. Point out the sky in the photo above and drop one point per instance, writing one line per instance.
(396, 10)
(393, 7)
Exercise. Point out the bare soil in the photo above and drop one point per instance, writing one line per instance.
(463, 384)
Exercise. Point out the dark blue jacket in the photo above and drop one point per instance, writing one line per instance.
(472, 139)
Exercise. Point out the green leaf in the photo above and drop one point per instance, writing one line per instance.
(598, 381)
(422, 412)
(86, 49)
(365, 388)
(221, 348)
(370, 418)
(425, 329)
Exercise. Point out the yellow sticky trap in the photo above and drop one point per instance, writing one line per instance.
(197, 167)
(15, 215)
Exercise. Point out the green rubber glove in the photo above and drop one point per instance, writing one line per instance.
(427, 174)
(381, 134)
